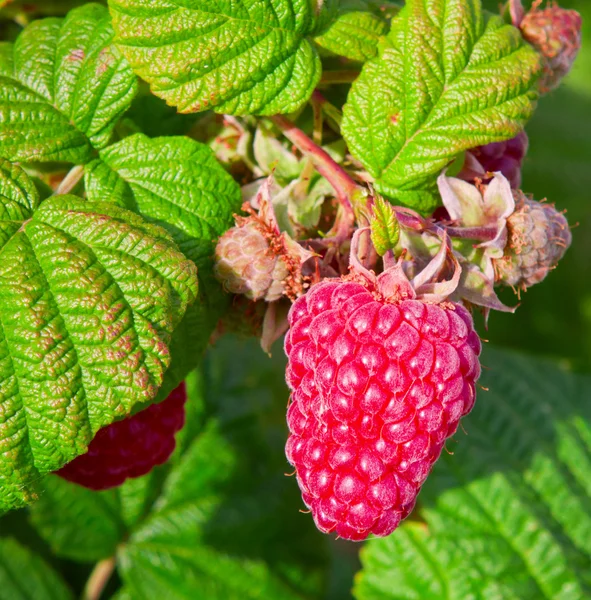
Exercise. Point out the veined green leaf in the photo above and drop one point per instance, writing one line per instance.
(508, 515)
(89, 297)
(24, 575)
(354, 33)
(448, 77)
(177, 183)
(79, 524)
(247, 57)
(63, 88)
(173, 181)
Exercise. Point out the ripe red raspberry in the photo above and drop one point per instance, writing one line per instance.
(378, 386)
(506, 157)
(537, 238)
(130, 448)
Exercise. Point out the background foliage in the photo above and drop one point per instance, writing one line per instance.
(507, 516)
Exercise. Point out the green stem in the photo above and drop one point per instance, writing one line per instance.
(71, 180)
(329, 77)
(334, 116)
(98, 579)
(308, 170)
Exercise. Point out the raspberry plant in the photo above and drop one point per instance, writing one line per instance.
(348, 178)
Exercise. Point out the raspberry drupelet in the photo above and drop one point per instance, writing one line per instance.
(378, 384)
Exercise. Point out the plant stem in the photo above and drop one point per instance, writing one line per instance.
(71, 180)
(339, 76)
(98, 579)
(318, 124)
(333, 114)
(343, 184)
(483, 234)
(308, 170)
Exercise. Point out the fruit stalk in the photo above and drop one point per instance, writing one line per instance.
(71, 180)
(339, 77)
(343, 184)
(483, 234)
(100, 576)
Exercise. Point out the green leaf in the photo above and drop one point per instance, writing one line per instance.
(183, 534)
(354, 33)
(384, 226)
(508, 516)
(78, 523)
(25, 576)
(89, 297)
(177, 183)
(152, 116)
(84, 525)
(63, 88)
(248, 57)
(216, 526)
(448, 77)
(173, 181)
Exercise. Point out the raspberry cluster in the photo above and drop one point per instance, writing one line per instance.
(130, 448)
(377, 388)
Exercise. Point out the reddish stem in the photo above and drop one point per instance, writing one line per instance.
(318, 98)
(483, 234)
(343, 184)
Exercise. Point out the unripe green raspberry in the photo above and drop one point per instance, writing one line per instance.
(256, 259)
(556, 34)
(538, 237)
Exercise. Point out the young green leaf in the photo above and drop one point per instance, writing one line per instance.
(248, 57)
(448, 77)
(508, 515)
(63, 88)
(384, 226)
(24, 575)
(177, 183)
(89, 297)
(354, 33)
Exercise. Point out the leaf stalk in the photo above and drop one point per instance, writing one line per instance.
(100, 576)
